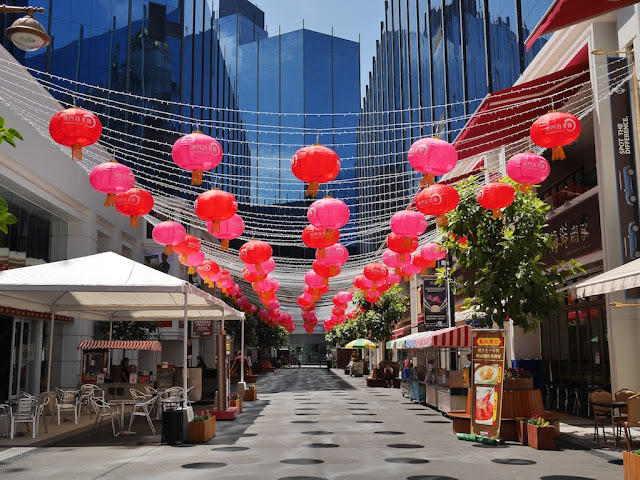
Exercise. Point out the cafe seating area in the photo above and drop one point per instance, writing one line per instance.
(620, 411)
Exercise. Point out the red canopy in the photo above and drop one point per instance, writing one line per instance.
(505, 116)
(564, 13)
(447, 337)
(119, 344)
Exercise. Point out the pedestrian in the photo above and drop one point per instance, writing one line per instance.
(388, 376)
(299, 360)
(201, 363)
(329, 359)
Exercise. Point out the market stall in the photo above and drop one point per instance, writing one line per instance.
(446, 382)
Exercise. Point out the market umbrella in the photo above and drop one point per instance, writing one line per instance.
(362, 343)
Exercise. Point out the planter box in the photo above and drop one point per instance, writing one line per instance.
(540, 438)
(521, 430)
(251, 395)
(518, 383)
(236, 403)
(631, 466)
(202, 432)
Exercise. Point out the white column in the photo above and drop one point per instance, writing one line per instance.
(185, 369)
(242, 352)
(53, 315)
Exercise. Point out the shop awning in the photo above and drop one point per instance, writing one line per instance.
(623, 277)
(401, 342)
(505, 116)
(120, 345)
(447, 337)
(564, 13)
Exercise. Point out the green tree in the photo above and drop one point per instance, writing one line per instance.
(500, 269)
(7, 135)
(348, 331)
(130, 330)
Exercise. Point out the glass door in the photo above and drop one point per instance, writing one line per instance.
(25, 364)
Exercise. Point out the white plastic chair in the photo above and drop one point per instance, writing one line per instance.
(41, 415)
(142, 408)
(67, 401)
(5, 411)
(104, 409)
(26, 412)
(86, 393)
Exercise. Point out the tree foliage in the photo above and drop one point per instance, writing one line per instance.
(7, 135)
(500, 269)
(131, 330)
(373, 323)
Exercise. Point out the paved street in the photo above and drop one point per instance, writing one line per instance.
(310, 424)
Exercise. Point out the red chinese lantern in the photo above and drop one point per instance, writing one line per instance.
(333, 255)
(189, 246)
(134, 203)
(75, 128)
(314, 165)
(316, 291)
(437, 200)
(255, 251)
(376, 272)
(304, 301)
(363, 283)
(401, 245)
(372, 297)
(422, 263)
(206, 269)
(554, 130)
(214, 206)
(196, 152)
(494, 196)
(344, 297)
(314, 237)
(432, 157)
(169, 234)
(433, 252)
(111, 178)
(192, 260)
(325, 271)
(408, 223)
(528, 169)
(252, 277)
(227, 230)
(328, 213)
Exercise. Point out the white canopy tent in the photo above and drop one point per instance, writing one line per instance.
(623, 277)
(110, 287)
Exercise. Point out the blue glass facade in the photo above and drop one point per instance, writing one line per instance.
(435, 61)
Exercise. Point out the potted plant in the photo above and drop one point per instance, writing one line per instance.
(251, 393)
(202, 428)
(631, 464)
(540, 434)
(236, 401)
(518, 379)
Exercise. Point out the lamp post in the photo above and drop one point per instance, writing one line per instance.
(26, 33)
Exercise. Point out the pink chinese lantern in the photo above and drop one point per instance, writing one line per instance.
(392, 259)
(227, 230)
(269, 284)
(263, 314)
(344, 297)
(196, 152)
(408, 223)
(314, 237)
(432, 157)
(313, 280)
(393, 278)
(528, 169)
(401, 245)
(253, 309)
(422, 263)
(333, 255)
(192, 261)
(111, 178)
(433, 252)
(376, 272)
(325, 271)
(215, 206)
(265, 267)
(170, 234)
(495, 196)
(363, 283)
(328, 213)
(410, 269)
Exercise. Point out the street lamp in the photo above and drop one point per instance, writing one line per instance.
(26, 33)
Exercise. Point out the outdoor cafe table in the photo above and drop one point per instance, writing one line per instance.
(611, 405)
(122, 404)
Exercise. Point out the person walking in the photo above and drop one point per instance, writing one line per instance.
(329, 359)
(299, 360)
(388, 376)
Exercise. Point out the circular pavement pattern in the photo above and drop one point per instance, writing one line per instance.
(306, 414)
(389, 432)
(406, 460)
(317, 432)
(430, 477)
(513, 461)
(302, 461)
(437, 421)
(229, 449)
(203, 465)
(321, 445)
(302, 478)
(304, 421)
(405, 445)
(368, 421)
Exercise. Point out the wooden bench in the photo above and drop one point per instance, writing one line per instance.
(379, 382)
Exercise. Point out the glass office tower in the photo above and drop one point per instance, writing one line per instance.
(434, 63)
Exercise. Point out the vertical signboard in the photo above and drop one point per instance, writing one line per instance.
(624, 161)
(202, 328)
(486, 393)
(434, 301)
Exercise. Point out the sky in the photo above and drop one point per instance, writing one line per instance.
(349, 18)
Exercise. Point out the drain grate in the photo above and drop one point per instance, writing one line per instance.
(22, 456)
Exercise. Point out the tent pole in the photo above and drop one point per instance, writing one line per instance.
(242, 352)
(110, 338)
(184, 353)
(53, 317)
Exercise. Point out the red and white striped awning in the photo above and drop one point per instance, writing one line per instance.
(120, 344)
(447, 337)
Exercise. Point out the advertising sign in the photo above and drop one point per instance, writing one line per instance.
(624, 161)
(434, 301)
(202, 328)
(156, 258)
(487, 372)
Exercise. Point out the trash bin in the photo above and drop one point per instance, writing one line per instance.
(172, 426)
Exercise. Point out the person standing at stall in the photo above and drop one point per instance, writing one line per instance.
(388, 376)
(124, 370)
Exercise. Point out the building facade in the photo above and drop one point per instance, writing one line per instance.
(435, 61)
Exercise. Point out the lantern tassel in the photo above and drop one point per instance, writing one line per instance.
(441, 221)
(325, 281)
(497, 213)
(524, 187)
(76, 152)
(196, 177)
(224, 245)
(258, 268)
(110, 201)
(328, 235)
(215, 227)
(398, 271)
(168, 250)
(183, 259)
(191, 271)
(321, 252)
(557, 153)
(427, 180)
(133, 221)
(406, 242)
(312, 189)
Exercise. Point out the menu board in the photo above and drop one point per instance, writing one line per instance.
(488, 370)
